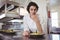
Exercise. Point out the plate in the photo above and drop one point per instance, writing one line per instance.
(36, 35)
(7, 31)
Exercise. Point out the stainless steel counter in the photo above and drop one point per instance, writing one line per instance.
(10, 37)
(47, 37)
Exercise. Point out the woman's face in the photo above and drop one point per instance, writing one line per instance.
(33, 10)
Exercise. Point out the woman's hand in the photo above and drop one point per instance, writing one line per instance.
(26, 34)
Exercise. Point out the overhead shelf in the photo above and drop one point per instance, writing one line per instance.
(3, 7)
(10, 5)
(6, 19)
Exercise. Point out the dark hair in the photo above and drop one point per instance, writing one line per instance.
(32, 4)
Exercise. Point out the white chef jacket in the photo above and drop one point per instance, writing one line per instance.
(30, 25)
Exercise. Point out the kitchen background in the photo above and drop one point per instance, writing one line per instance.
(13, 11)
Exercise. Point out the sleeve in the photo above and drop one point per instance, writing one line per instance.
(26, 28)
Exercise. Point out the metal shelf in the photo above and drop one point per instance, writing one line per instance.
(8, 4)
